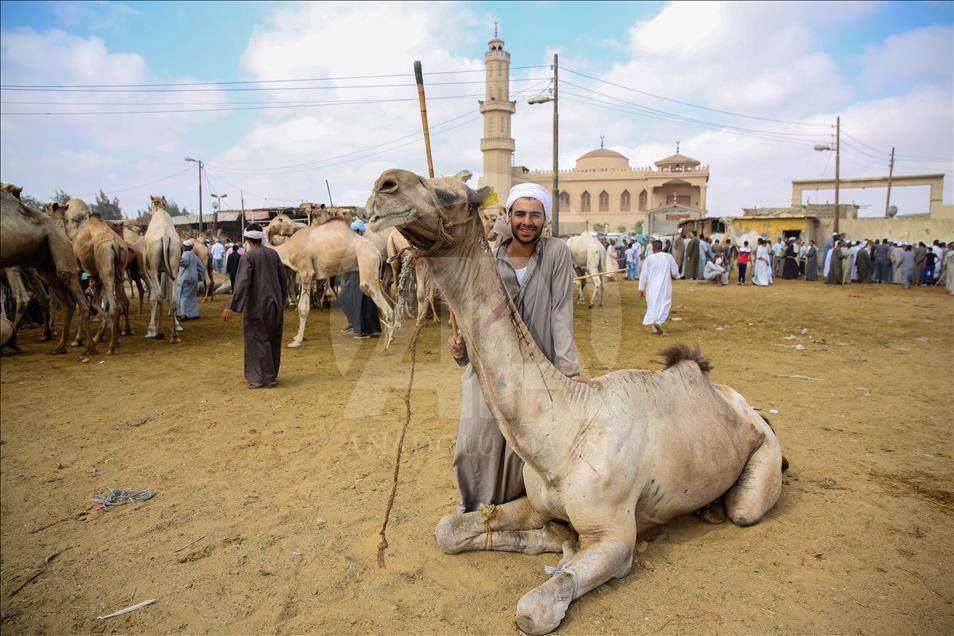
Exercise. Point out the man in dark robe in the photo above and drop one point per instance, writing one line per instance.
(232, 265)
(790, 266)
(691, 268)
(920, 252)
(259, 294)
(358, 308)
(863, 264)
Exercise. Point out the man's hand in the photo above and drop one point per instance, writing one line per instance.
(227, 314)
(581, 380)
(457, 347)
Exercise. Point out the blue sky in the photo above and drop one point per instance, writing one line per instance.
(885, 67)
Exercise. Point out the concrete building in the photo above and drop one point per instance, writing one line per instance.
(602, 188)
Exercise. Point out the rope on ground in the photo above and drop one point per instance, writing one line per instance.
(119, 496)
(412, 349)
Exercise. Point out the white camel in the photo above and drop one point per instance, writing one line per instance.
(589, 257)
(162, 250)
(635, 449)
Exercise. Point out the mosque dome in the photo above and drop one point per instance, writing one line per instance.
(602, 159)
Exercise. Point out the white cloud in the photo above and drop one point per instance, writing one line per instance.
(922, 55)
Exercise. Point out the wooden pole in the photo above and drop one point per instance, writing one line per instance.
(419, 78)
(837, 169)
(329, 193)
(887, 202)
(609, 273)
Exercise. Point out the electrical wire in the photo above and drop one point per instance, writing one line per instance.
(691, 105)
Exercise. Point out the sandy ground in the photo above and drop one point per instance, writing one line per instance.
(269, 501)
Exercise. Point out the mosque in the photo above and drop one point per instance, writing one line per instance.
(602, 188)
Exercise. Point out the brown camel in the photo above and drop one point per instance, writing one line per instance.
(630, 451)
(331, 249)
(162, 249)
(30, 238)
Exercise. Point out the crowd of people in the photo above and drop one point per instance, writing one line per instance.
(838, 261)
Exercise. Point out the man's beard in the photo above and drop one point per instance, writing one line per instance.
(516, 236)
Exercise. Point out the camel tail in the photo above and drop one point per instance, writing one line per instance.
(677, 353)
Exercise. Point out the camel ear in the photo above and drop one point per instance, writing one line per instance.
(480, 197)
(464, 175)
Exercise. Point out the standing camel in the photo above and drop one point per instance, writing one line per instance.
(589, 257)
(331, 249)
(630, 451)
(31, 238)
(161, 252)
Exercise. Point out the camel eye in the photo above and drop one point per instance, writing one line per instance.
(445, 197)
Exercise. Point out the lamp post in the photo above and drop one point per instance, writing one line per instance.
(218, 207)
(199, 161)
(543, 99)
(837, 150)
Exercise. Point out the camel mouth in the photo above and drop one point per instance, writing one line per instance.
(379, 221)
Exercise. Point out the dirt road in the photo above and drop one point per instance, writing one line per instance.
(268, 502)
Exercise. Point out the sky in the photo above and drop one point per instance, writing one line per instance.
(278, 98)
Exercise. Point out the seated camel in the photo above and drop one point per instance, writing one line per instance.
(634, 450)
(31, 238)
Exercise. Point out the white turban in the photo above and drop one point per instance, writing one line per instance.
(531, 191)
(187, 242)
(255, 235)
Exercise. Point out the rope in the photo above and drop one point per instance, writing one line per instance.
(412, 349)
(490, 514)
(119, 496)
(564, 569)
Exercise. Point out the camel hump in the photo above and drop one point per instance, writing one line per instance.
(677, 353)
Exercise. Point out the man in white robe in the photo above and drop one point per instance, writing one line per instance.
(762, 274)
(655, 286)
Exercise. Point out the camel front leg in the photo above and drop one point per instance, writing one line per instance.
(304, 308)
(373, 289)
(511, 527)
(606, 552)
(174, 307)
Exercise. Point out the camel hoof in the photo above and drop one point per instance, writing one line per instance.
(294, 344)
(58, 351)
(541, 610)
(76, 343)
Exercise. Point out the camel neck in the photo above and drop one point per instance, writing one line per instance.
(517, 380)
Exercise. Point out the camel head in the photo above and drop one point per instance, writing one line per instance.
(156, 202)
(71, 216)
(280, 228)
(424, 209)
(15, 190)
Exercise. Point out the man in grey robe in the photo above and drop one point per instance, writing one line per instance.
(908, 267)
(259, 294)
(836, 271)
(187, 283)
(811, 262)
(537, 273)
(705, 255)
(883, 262)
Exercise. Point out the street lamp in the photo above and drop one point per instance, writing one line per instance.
(837, 151)
(543, 99)
(218, 208)
(198, 161)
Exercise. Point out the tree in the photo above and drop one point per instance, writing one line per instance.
(60, 196)
(107, 209)
(173, 209)
(638, 227)
(31, 202)
(600, 227)
(621, 229)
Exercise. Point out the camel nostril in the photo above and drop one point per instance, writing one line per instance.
(388, 186)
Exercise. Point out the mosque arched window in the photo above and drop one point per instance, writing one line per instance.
(624, 201)
(604, 201)
(642, 200)
(585, 202)
(565, 199)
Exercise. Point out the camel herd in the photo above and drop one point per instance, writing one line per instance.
(44, 253)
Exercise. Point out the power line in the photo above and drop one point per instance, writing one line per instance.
(160, 180)
(356, 102)
(246, 89)
(686, 119)
(691, 105)
(276, 81)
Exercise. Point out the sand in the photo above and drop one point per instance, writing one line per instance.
(269, 501)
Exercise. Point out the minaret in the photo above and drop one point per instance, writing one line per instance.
(497, 144)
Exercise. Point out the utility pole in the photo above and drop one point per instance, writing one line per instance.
(242, 195)
(837, 168)
(199, 161)
(330, 201)
(556, 142)
(887, 203)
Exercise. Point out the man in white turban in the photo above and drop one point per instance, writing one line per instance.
(259, 293)
(537, 273)
(187, 283)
